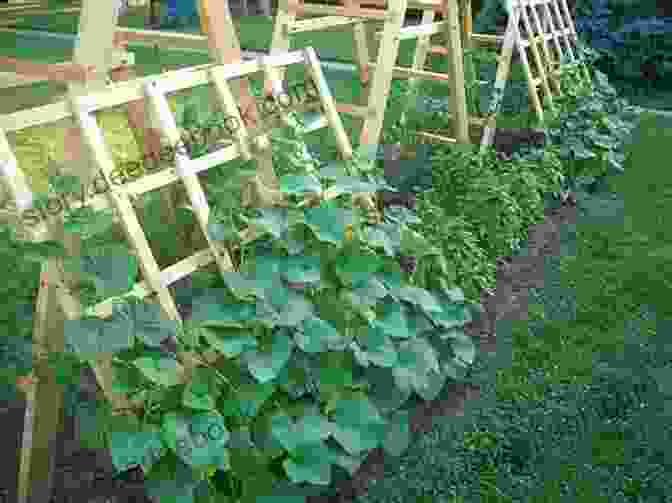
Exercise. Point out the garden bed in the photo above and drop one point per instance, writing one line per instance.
(512, 279)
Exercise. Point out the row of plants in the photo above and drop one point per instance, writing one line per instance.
(334, 318)
(574, 403)
(322, 335)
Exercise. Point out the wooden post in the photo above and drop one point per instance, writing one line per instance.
(458, 100)
(44, 404)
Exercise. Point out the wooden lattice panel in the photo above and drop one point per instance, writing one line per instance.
(375, 75)
(546, 29)
(56, 301)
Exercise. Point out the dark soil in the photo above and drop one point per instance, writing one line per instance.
(86, 476)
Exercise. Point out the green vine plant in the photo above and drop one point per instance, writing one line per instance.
(334, 317)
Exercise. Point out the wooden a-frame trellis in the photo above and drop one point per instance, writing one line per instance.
(527, 29)
(56, 301)
(376, 77)
(546, 29)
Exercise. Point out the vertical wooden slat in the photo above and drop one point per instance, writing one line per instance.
(569, 22)
(93, 138)
(93, 46)
(379, 89)
(549, 64)
(228, 104)
(44, 399)
(362, 52)
(458, 99)
(534, 47)
(217, 24)
(550, 23)
(422, 47)
(313, 66)
(199, 203)
(563, 26)
(501, 78)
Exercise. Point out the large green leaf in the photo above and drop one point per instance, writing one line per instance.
(419, 297)
(335, 371)
(251, 396)
(151, 325)
(229, 341)
(265, 365)
(160, 370)
(92, 336)
(393, 280)
(349, 462)
(265, 268)
(378, 238)
(309, 463)
(300, 184)
(434, 384)
(463, 348)
(132, 448)
(311, 428)
(283, 307)
(416, 359)
(351, 185)
(316, 335)
(202, 391)
(113, 268)
(275, 221)
(382, 392)
(357, 425)
(357, 270)
(171, 484)
(328, 222)
(375, 347)
(398, 435)
(302, 268)
(125, 379)
(212, 309)
(198, 440)
(454, 313)
(296, 377)
(242, 287)
(393, 321)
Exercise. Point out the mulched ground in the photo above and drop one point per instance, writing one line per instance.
(91, 471)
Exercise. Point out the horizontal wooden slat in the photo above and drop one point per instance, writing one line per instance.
(11, 18)
(401, 72)
(413, 32)
(442, 139)
(320, 23)
(164, 39)
(485, 39)
(123, 92)
(351, 109)
(548, 37)
(332, 10)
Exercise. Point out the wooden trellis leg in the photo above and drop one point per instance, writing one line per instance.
(501, 78)
(217, 24)
(94, 42)
(419, 58)
(532, 41)
(44, 398)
